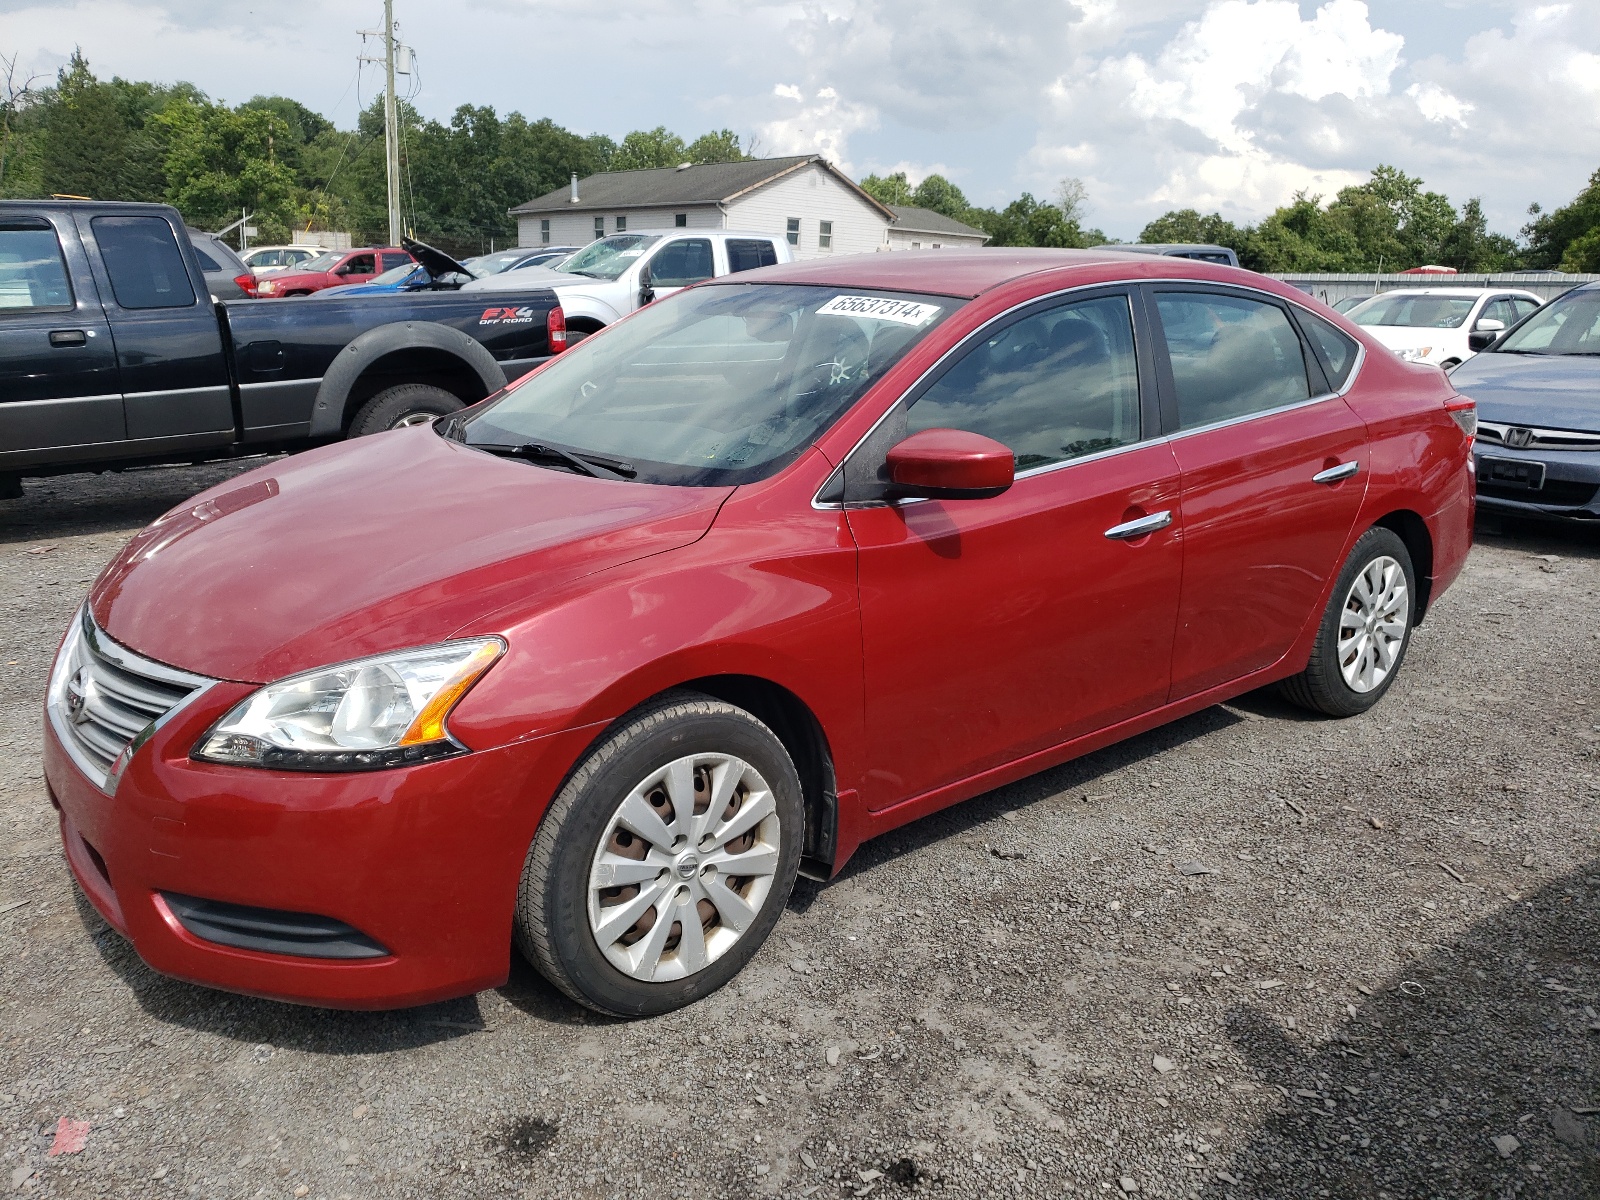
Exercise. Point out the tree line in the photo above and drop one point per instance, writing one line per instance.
(293, 170)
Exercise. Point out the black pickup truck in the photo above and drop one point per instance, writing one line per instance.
(113, 353)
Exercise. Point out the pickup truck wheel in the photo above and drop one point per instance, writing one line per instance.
(666, 859)
(402, 405)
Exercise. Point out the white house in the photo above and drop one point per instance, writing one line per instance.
(820, 210)
(924, 229)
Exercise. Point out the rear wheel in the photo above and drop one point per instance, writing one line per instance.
(665, 861)
(1365, 631)
(402, 405)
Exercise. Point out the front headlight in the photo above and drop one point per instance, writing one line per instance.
(1416, 353)
(385, 711)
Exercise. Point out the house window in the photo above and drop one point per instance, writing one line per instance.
(544, 233)
(681, 220)
(599, 227)
(622, 224)
(825, 235)
(794, 231)
(916, 245)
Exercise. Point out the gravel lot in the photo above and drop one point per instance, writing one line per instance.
(1252, 954)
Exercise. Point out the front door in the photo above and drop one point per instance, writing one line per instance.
(1274, 468)
(679, 263)
(996, 628)
(58, 368)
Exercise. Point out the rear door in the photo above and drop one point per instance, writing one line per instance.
(58, 368)
(1274, 466)
(168, 339)
(993, 629)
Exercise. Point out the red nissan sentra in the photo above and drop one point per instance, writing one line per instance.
(782, 562)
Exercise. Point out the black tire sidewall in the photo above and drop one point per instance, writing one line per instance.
(1338, 697)
(379, 414)
(566, 888)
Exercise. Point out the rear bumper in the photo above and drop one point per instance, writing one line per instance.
(424, 861)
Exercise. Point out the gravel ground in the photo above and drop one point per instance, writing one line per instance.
(1251, 955)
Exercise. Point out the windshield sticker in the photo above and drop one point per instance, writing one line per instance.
(629, 253)
(879, 308)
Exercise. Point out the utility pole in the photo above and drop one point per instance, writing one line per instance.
(391, 125)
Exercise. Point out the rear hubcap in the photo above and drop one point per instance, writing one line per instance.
(1372, 625)
(685, 865)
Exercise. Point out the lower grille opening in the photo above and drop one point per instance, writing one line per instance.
(1554, 491)
(271, 931)
(94, 857)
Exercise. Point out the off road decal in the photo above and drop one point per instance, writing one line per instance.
(507, 316)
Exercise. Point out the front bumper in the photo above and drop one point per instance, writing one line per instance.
(1570, 491)
(424, 860)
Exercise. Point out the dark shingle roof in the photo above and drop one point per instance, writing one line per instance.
(663, 187)
(925, 220)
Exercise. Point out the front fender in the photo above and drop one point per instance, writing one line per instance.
(327, 414)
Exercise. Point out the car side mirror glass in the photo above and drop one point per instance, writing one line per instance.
(949, 464)
(1489, 325)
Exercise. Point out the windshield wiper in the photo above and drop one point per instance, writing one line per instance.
(595, 467)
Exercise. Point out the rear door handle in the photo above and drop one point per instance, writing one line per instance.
(68, 337)
(1130, 530)
(1335, 474)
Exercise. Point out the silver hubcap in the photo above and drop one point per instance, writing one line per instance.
(684, 867)
(416, 418)
(1372, 626)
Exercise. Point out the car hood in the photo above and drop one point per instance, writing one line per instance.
(386, 542)
(525, 278)
(437, 262)
(1553, 391)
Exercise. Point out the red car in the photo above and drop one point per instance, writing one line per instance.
(332, 268)
(778, 564)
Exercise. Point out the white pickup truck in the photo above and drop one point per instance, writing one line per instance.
(611, 277)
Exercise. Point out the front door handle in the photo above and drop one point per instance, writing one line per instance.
(1129, 530)
(68, 337)
(1335, 474)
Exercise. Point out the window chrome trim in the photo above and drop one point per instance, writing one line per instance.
(1201, 284)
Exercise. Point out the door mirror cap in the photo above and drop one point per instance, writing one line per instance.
(1489, 325)
(949, 464)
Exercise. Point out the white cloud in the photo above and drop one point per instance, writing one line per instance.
(1436, 104)
(822, 125)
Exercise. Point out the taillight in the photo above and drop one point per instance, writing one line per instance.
(246, 281)
(555, 326)
(1464, 412)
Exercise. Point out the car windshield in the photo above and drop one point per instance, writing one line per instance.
(1567, 325)
(394, 274)
(322, 262)
(720, 384)
(493, 264)
(609, 257)
(1414, 311)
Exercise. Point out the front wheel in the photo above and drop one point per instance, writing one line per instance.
(1365, 631)
(665, 861)
(402, 405)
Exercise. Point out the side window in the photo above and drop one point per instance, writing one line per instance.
(544, 231)
(33, 275)
(1231, 356)
(144, 262)
(681, 263)
(1338, 348)
(207, 263)
(360, 264)
(1499, 309)
(391, 261)
(746, 254)
(622, 223)
(599, 227)
(792, 230)
(825, 235)
(1053, 386)
(680, 220)
(1522, 306)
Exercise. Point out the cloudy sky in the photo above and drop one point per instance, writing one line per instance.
(1155, 104)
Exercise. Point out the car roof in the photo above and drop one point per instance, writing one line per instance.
(969, 272)
(1451, 291)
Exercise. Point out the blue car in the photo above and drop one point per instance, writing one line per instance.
(435, 271)
(1537, 386)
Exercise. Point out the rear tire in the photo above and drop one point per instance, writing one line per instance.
(1365, 630)
(402, 405)
(639, 940)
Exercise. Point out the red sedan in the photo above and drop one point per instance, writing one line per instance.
(333, 268)
(774, 566)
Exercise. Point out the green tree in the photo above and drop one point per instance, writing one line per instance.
(888, 189)
(223, 161)
(1187, 225)
(644, 149)
(98, 139)
(1470, 247)
(1027, 221)
(720, 145)
(941, 196)
(1551, 237)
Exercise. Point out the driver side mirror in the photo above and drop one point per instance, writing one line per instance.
(949, 464)
(1484, 333)
(1489, 325)
(647, 293)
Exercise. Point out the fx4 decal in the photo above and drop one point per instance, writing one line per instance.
(507, 316)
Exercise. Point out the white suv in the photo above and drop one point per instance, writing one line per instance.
(1431, 324)
(612, 277)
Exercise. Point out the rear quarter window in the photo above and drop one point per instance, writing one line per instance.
(1336, 348)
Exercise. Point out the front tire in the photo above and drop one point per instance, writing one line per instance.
(666, 859)
(1365, 631)
(402, 405)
